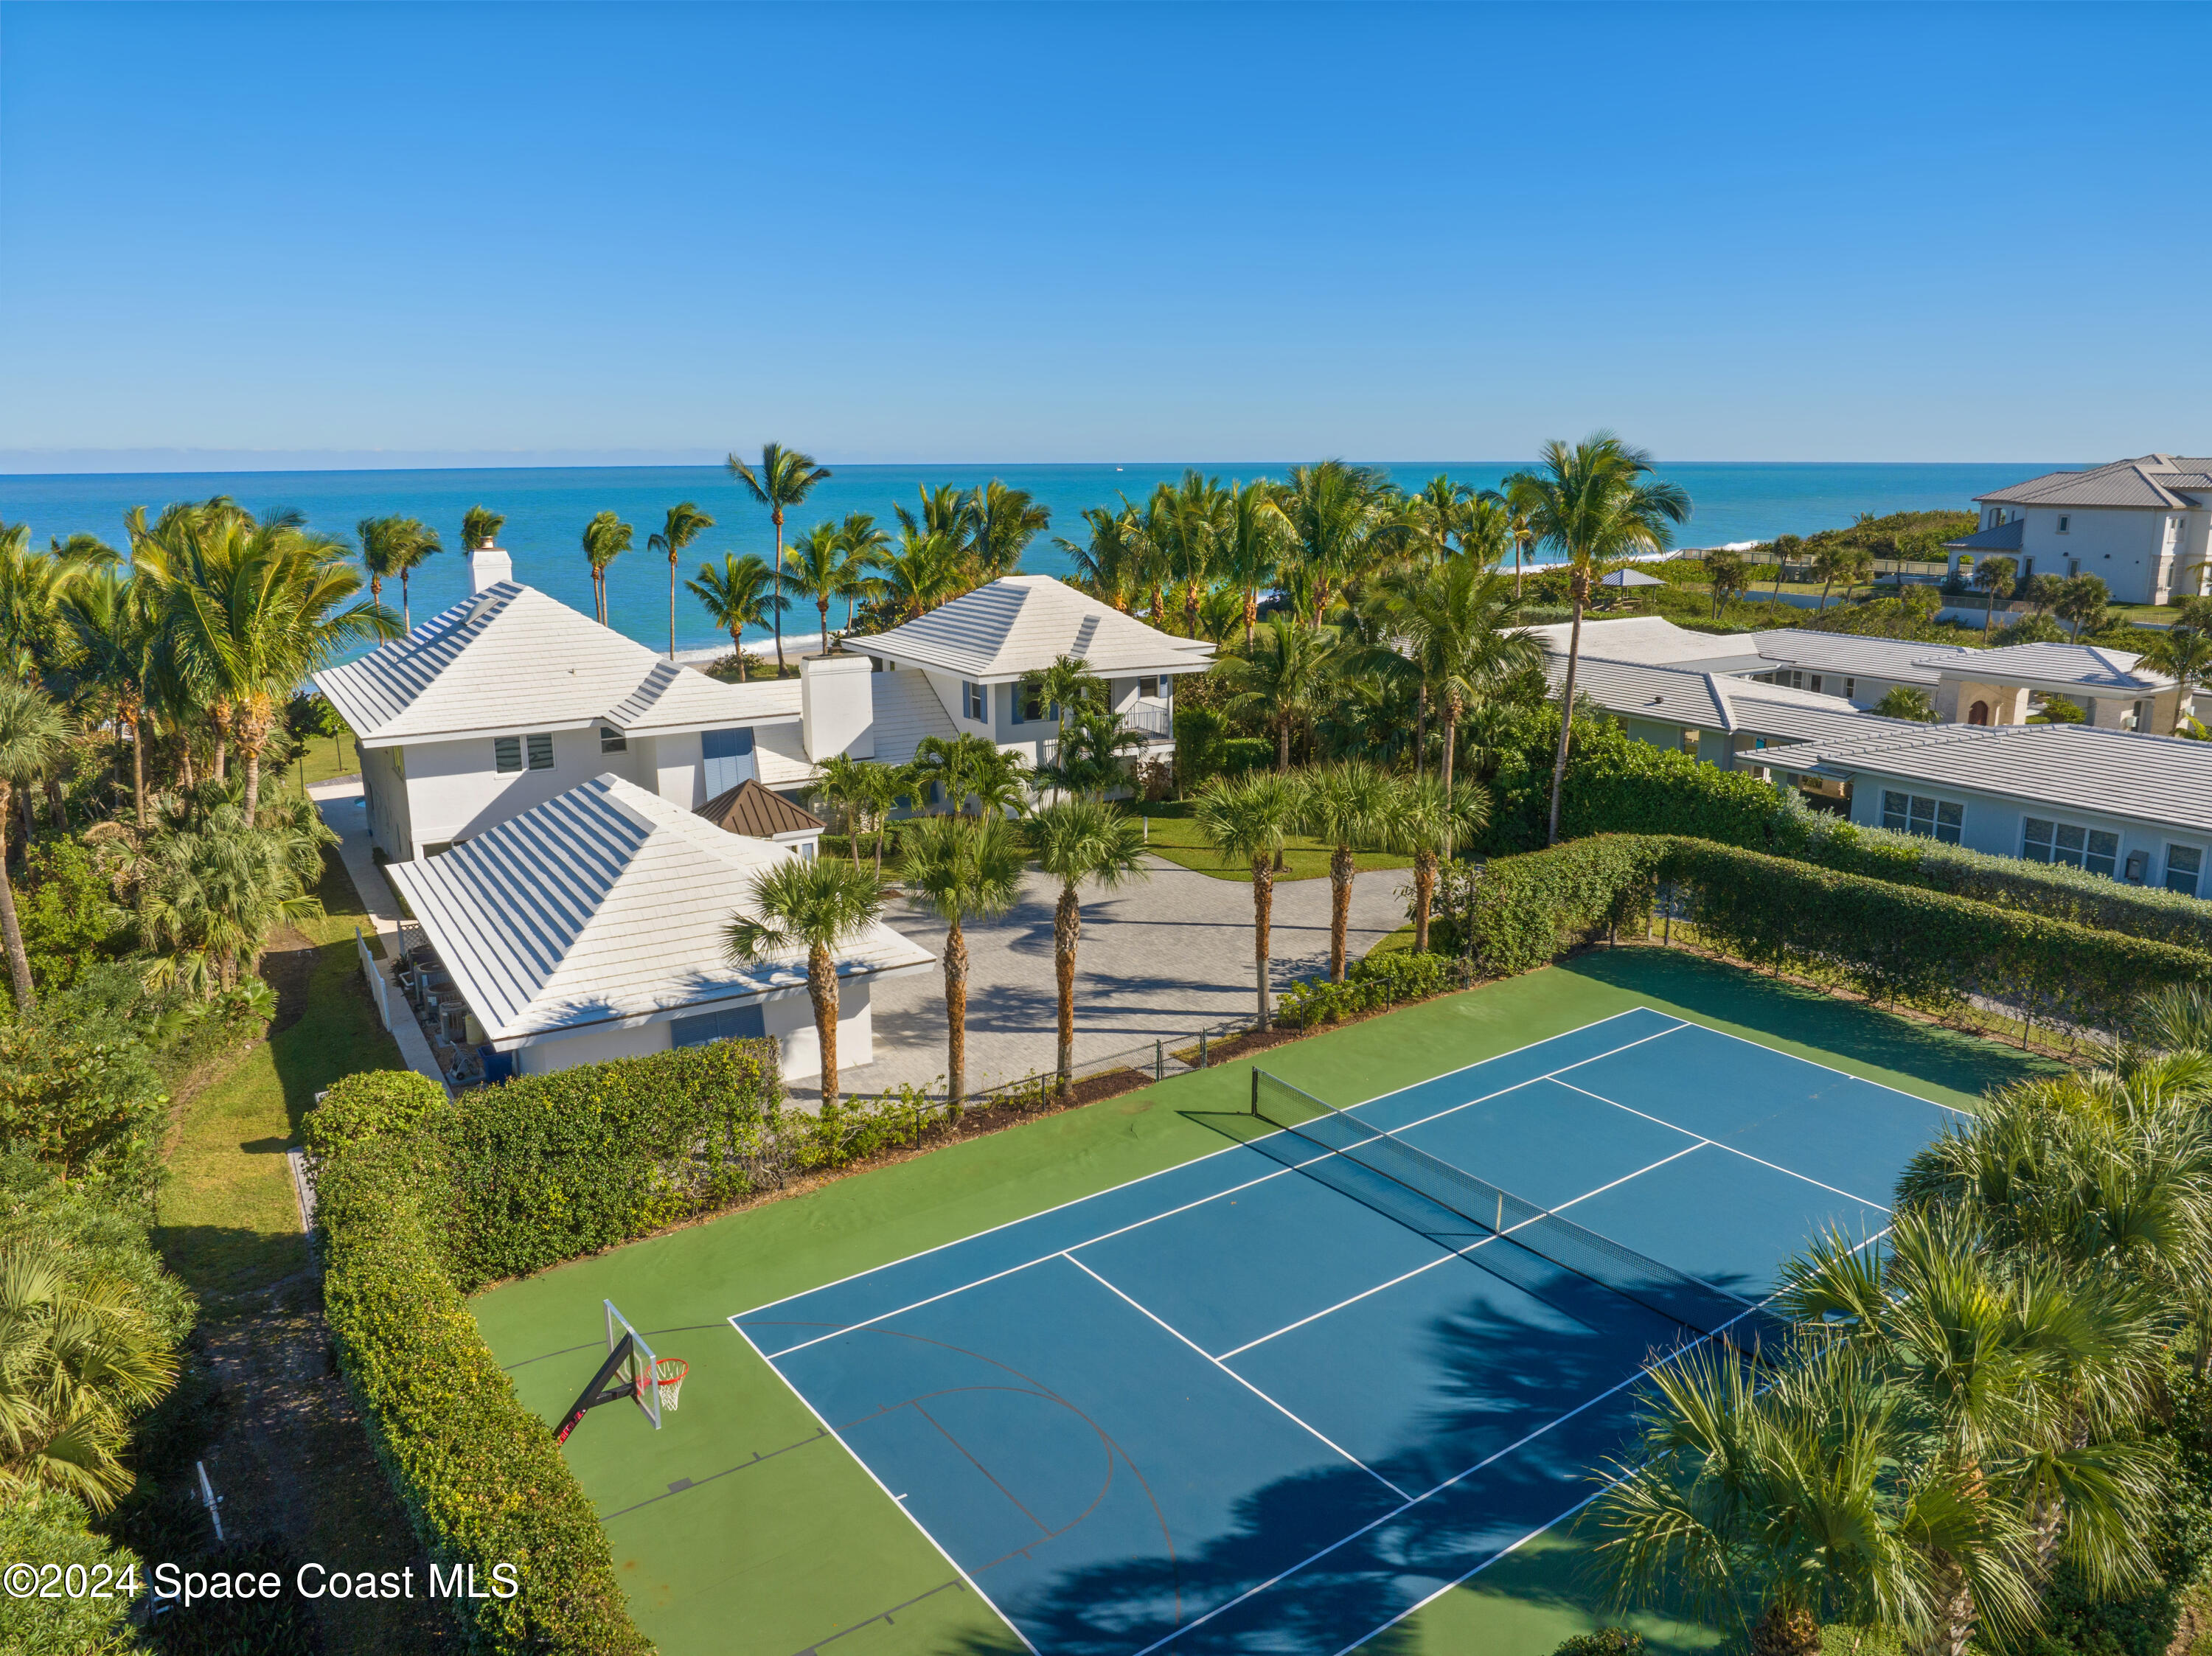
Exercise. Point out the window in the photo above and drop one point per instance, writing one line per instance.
(612, 741)
(2063, 523)
(726, 757)
(1028, 703)
(2094, 849)
(541, 752)
(972, 702)
(738, 1023)
(2183, 864)
(1915, 813)
(1851, 688)
(1148, 687)
(1813, 684)
(507, 754)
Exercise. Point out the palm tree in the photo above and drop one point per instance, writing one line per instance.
(32, 585)
(1075, 840)
(606, 538)
(678, 530)
(824, 567)
(739, 595)
(1005, 521)
(1994, 576)
(80, 1359)
(1592, 503)
(870, 544)
(1255, 537)
(1726, 574)
(209, 885)
(1433, 518)
(1068, 686)
(972, 768)
(1834, 561)
(2183, 654)
(965, 869)
(480, 526)
(1346, 806)
(1426, 820)
(1519, 507)
(2082, 602)
(393, 546)
(252, 612)
(818, 905)
(886, 784)
(1334, 510)
(785, 478)
(1283, 680)
(1250, 821)
(115, 622)
(1455, 621)
(922, 571)
(34, 735)
(1110, 566)
(1185, 524)
(842, 784)
(949, 511)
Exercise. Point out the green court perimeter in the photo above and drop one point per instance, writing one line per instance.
(775, 1543)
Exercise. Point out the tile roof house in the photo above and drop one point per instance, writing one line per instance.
(2140, 524)
(2136, 808)
(509, 697)
(589, 927)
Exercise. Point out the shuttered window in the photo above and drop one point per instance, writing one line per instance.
(541, 752)
(507, 754)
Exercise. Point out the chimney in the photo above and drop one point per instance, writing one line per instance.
(487, 566)
(837, 707)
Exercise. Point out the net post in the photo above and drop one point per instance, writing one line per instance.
(1255, 1089)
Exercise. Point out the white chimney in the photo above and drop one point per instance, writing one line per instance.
(837, 707)
(487, 566)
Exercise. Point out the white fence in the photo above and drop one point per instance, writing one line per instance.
(378, 989)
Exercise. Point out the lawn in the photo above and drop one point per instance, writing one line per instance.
(746, 1515)
(1169, 832)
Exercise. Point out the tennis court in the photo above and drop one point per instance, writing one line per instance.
(1279, 1396)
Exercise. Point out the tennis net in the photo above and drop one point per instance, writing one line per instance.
(1496, 1213)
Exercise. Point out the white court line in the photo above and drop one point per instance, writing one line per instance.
(1238, 1378)
(1198, 1202)
(1948, 1109)
(1461, 1253)
(1789, 1173)
(1129, 1184)
(896, 1501)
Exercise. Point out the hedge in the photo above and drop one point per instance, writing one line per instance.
(1890, 941)
(1370, 985)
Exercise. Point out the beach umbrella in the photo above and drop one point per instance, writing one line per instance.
(1630, 578)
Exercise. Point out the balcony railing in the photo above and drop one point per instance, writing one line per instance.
(1150, 718)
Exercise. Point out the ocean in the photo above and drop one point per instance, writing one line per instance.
(547, 508)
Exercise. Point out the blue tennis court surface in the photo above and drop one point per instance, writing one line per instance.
(1249, 1404)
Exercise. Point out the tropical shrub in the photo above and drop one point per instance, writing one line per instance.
(1602, 1641)
(76, 1103)
(1370, 985)
(369, 1104)
(52, 1529)
(63, 906)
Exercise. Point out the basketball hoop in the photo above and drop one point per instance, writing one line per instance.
(669, 1373)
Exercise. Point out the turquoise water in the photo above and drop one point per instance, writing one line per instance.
(547, 508)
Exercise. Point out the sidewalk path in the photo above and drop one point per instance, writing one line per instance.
(345, 812)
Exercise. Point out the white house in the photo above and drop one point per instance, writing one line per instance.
(2136, 808)
(510, 697)
(1715, 717)
(589, 927)
(2141, 525)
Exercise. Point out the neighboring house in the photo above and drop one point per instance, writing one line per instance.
(1862, 670)
(2136, 808)
(1655, 641)
(976, 653)
(1992, 687)
(510, 697)
(1713, 717)
(2141, 525)
(590, 927)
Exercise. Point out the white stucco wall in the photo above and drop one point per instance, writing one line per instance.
(454, 789)
(788, 1014)
(2121, 545)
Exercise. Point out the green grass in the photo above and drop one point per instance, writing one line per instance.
(229, 1219)
(1169, 832)
(799, 1545)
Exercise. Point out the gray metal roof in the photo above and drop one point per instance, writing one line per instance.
(2063, 667)
(1021, 624)
(1892, 658)
(2151, 480)
(1654, 641)
(509, 658)
(2002, 537)
(2148, 779)
(1713, 702)
(607, 903)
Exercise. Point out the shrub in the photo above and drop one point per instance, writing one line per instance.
(1391, 978)
(1890, 941)
(62, 905)
(1602, 1641)
(76, 1104)
(369, 1105)
(53, 1529)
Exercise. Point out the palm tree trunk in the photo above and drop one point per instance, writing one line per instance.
(821, 989)
(1823, 609)
(1579, 589)
(406, 612)
(56, 808)
(671, 606)
(1067, 932)
(138, 770)
(19, 963)
(252, 757)
(1785, 1630)
(1421, 727)
(778, 516)
(1282, 746)
(1425, 889)
(1451, 740)
(1251, 616)
(956, 1016)
(823, 604)
(1339, 909)
(1263, 898)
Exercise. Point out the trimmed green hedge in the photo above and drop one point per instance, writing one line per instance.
(1890, 941)
(1370, 985)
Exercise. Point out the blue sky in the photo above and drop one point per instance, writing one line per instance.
(1098, 233)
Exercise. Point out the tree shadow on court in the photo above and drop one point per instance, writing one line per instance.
(1788, 1012)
